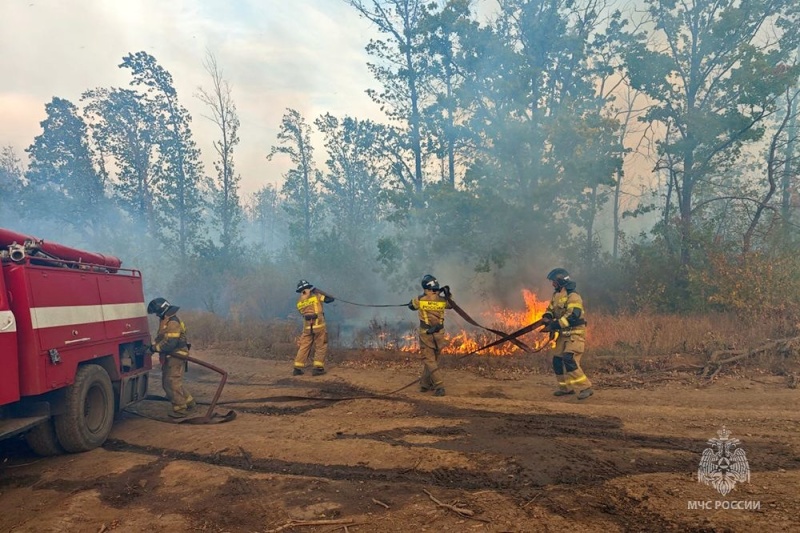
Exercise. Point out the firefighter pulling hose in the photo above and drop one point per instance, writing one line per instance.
(173, 348)
(430, 305)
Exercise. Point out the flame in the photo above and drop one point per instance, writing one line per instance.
(497, 318)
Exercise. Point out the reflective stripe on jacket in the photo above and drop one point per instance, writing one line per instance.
(431, 307)
(562, 306)
(171, 337)
(310, 305)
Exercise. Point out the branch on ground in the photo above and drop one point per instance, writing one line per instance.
(720, 358)
(461, 511)
(310, 523)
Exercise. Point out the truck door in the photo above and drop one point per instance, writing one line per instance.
(9, 362)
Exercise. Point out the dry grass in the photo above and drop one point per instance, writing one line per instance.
(615, 343)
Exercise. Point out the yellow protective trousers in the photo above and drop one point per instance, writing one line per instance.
(567, 363)
(313, 338)
(172, 381)
(430, 345)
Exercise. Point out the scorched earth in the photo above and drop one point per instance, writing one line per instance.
(498, 453)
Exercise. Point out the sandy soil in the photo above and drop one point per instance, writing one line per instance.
(496, 454)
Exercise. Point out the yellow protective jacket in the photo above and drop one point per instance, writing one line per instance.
(430, 307)
(563, 307)
(311, 306)
(171, 337)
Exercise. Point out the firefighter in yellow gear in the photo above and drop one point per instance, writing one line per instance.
(566, 316)
(431, 307)
(315, 334)
(173, 347)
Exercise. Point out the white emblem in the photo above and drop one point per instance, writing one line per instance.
(724, 464)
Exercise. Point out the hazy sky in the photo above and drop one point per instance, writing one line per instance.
(276, 54)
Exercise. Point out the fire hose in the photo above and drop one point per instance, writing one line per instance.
(213, 418)
(504, 337)
(210, 417)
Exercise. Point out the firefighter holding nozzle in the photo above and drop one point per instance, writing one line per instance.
(566, 315)
(172, 346)
(310, 305)
(431, 306)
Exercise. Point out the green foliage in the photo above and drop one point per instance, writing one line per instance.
(178, 175)
(11, 175)
(402, 69)
(351, 199)
(124, 130)
(713, 82)
(268, 223)
(64, 185)
(300, 190)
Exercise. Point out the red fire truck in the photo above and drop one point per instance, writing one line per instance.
(72, 327)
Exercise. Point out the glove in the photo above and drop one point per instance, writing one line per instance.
(445, 290)
(329, 299)
(434, 329)
(150, 348)
(411, 306)
(547, 318)
(553, 326)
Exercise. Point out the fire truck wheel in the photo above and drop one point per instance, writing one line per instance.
(43, 441)
(89, 413)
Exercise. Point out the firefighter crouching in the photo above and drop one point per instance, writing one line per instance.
(566, 316)
(315, 334)
(431, 307)
(172, 346)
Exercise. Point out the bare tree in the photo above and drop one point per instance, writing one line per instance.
(227, 210)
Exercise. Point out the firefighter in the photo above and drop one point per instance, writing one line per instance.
(431, 306)
(172, 347)
(315, 334)
(565, 315)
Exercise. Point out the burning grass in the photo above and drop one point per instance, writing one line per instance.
(615, 343)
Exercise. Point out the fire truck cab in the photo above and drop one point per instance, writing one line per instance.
(72, 328)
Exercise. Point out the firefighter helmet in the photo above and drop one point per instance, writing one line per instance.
(430, 283)
(159, 306)
(558, 276)
(303, 285)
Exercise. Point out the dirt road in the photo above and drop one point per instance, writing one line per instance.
(493, 455)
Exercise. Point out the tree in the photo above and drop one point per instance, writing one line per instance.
(123, 129)
(444, 32)
(788, 185)
(400, 69)
(64, 184)
(265, 213)
(545, 145)
(11, 175)
(352, 187)
(226, 208)
(710, 69)
(178, 177)
(300, 188)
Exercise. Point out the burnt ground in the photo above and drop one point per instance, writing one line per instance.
(496, 454)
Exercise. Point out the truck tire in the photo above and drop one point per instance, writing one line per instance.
(42, 439)
(89, 413)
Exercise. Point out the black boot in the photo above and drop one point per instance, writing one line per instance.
(439, 392)
(318, 371)
(585, 393)
(297, 372)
